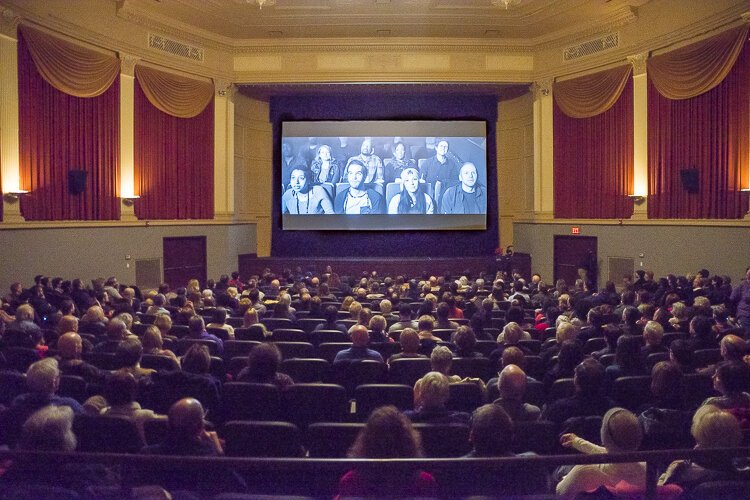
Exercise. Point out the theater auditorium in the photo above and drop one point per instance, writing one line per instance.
(382, 248)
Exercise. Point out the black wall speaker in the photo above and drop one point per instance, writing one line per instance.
(689, 178)
(77, 181)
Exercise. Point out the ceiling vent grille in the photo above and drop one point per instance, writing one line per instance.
(591, 47)
(174, 47)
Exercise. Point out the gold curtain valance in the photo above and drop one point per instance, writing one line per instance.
(591, 95)
(697, 68)
(68, 67)
(174, 95)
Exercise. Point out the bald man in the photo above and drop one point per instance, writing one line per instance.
(358, 351)
(70, 347)
(187, 433)
(512, 387)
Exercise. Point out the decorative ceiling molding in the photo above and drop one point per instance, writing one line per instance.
(378, 45)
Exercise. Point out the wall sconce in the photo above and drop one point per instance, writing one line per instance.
(637, 198)
(129, 200)
(14, 196)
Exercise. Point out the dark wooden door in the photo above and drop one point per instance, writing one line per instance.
(573, 253)
(184, 259)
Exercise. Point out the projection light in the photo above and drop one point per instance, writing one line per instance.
(262, 3)
(505, 3)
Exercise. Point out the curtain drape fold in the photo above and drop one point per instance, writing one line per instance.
(591, 95)
(68, 67)
(174, 95)
(697, 68)
(174, 162)
(593, 161)
(58, 133)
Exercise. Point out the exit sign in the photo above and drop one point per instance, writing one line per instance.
(575, 230)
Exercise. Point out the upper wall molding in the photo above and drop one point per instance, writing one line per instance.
(9, 20)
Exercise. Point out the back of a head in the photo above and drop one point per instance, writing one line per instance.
(116, 329)
(387, 434)
(713, 427)
(512, 333)
(426, 323)
(733, 348)
(431, 391)
(681, 352)
(565, 331)
(67, 324)
(197, 360)
(69, 345)
(512, 356)
(49, 429)
(129, 351)
(42, 376)
(409, 341)
(264, 360)
(186, 418)
(589, 377)
(196, 325)
(512, 382)
(465, 338)
(220, 315)
(152, 338)
(25, 312)
(621, 430)
(404, 311)
(653, 333)
(360, 336)
(628, 352)
(121, 388)
(491, 431)
(666, 380)
(733, 377)
(441, 359)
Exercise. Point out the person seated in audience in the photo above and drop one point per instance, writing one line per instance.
(630, 317)
(331, 316)
(441, 360)
(305, 197)
(359, 350)
(431, 394)
(283, 308)
(396, 165)
(128, 354)
(263, 367)
(219, 320)
(43, 381)
(23, 332)
(732, 381)
(511, 336)
(653, 333)
(413, 198)
(358, 198)
(364, 316)
(564, 331)
(50, 429)
(564, 366)
(387, 434)
(681, 354)
(187, 434)
(426, 307)
(628, 361)
(589, 380)
(409, 345)
(680, 319)
(665, 419)
(377, 329)
(94, 321)
(442, 313)
(198, 331)
(702, 335)
(256, 301)
(483, 319)
(466, 341)
(404, 319)
(160, 301)
(612, 333)
(425, 325)
(620, 432)
(443, 167)
(386, 310)
(13, 299)
(69, 350)
(732, 348)
(723, 323)
(154, 344)
(117, 331)
(712, 427)
(164, 323)
(512, 388)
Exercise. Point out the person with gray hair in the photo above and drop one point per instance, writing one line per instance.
(431, 393)
(43, 380)
(512, 387)
(117, 330)
(620, 432)
(49, 429)
(23, 332)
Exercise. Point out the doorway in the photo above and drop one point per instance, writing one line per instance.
(572, 253)
(184, 259)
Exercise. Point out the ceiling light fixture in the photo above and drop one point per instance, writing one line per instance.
(263, 3)
(506, 4)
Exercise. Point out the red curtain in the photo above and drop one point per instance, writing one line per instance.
(174, 162)
(708, 133)
(593, 162)
(59, 133)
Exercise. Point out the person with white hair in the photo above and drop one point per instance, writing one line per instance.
(431, 394)
(620, 432)
(43, 380)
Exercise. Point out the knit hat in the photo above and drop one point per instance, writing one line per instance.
(621, 430)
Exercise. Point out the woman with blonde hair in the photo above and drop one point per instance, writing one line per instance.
(153, 343)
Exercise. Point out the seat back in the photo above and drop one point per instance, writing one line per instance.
(561, 388)
(245, 401)
(306, 370)
(261, 439)
(218, 332)
(234, 348)
(273, 323)
(444, 440)
(466, 396)
(304, 404)
(331, 439)
(372, 396)
(290, 335)
(309, 324)
(472, 367)
(20, 358)
(350, 374)
(184, 344)
(73, 387)
(539, 436)
(254, 333)
(12, 384)
(107, 434)
(328, 350)
(329, 336)
(705, 357)
(291, 350)
(158, 362)
(408, 370)
(632, 392)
